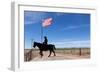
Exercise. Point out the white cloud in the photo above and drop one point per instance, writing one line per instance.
(32, 17)
(29, 22)
(75, 27)
(59, 14)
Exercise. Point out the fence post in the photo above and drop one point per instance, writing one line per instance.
(80, 52)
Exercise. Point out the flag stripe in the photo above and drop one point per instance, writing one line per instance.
(47, 22)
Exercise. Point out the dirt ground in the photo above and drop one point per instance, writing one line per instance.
(59, 56)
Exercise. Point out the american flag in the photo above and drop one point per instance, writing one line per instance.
(46, 22)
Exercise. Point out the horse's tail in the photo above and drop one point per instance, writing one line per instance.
(54, 47)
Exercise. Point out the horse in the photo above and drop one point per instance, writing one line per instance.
(44, 47)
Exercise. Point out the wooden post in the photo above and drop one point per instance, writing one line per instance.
(31, 54)
(80, 52)
(72, 51)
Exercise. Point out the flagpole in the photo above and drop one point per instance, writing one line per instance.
(41, 34)
(45, 23)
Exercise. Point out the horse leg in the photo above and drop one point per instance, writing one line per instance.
(41, 53)
(49, 54)
(54, 52)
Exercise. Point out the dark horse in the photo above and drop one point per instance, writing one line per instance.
(44, 47)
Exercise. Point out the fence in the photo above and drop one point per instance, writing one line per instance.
(74, 51)
(28, 55)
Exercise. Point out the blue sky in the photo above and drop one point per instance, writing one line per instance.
(66, 30)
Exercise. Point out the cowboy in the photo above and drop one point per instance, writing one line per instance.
(45, 40)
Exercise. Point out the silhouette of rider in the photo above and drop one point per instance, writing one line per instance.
(45, 40)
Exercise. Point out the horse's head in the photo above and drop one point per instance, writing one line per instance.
(34, 45)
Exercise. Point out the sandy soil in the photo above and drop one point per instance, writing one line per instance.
(59, 56)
